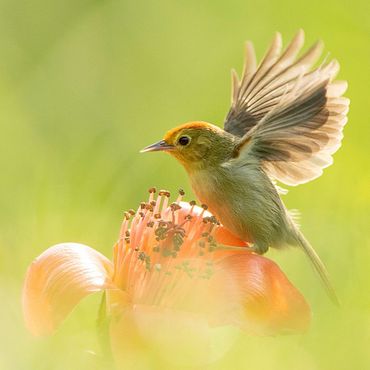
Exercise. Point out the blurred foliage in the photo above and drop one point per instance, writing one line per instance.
(85, 84)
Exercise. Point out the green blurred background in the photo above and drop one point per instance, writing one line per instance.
(85, 84)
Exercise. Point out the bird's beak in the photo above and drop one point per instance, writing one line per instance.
(159, 146)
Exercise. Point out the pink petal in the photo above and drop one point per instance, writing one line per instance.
(57, 280)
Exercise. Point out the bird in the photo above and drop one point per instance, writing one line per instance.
(285, 123)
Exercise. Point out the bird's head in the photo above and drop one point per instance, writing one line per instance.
(195, 145)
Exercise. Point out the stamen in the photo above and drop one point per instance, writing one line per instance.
(158, 203)
(149, 207)
(152, 191)
(161, 236)
(175, 206)
(205, 207)
(123, 228)
(181, 195)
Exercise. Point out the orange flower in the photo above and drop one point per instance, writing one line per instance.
(172, 276)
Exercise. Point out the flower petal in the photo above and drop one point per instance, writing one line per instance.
(259, 296)
(153, 334)
(224, 236)
(57, 280)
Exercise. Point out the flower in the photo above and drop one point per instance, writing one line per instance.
(176, 273)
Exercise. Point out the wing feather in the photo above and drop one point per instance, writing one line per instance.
(287, 115)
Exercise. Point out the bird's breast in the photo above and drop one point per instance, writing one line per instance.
(224, 195)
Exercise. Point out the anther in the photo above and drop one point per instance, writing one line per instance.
(157, 216)
(175, 206)
(192, 202)
(162, 224)
(127, 233)
(149, 207)
(142, 205)
(201, 244)
(131, 212)
(213, 219)
(152, 190)
(153, 203)
(126, 215)
(150, 224)
(204, 206)
(160, 231)
(181, 192)
(127, 240)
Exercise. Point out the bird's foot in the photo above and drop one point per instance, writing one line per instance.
(259, 248)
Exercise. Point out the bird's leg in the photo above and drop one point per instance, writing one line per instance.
(260, 248)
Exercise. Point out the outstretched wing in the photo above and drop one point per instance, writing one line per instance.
(288, 117)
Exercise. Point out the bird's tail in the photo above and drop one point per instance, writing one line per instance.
(319, 267)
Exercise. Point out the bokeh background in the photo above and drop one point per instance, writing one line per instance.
(85, 84)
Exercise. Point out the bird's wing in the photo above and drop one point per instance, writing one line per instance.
(260, 88)
(289, 118)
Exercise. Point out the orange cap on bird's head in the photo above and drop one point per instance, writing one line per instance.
(171, 138)
(193, 142)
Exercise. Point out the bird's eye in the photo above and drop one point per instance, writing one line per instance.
(184, 140)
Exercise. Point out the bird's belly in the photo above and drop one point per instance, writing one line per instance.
(220, 199)
(249, 211)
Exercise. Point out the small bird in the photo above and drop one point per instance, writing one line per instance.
(284, 124)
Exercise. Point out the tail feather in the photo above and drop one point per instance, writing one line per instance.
(319, 267)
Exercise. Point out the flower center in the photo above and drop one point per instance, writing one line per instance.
(165, 251)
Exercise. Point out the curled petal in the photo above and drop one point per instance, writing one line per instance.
(259, 297)
(57, 280)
